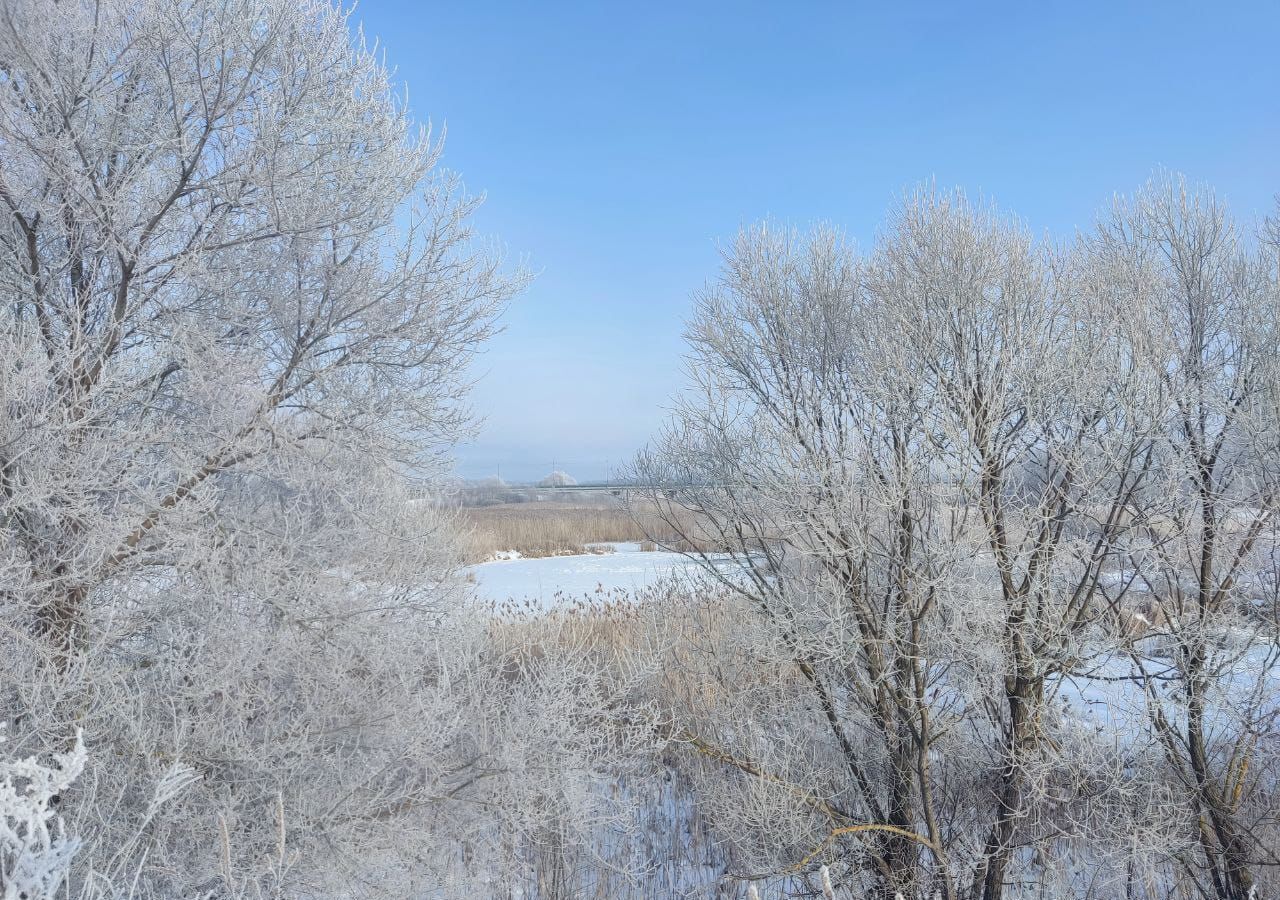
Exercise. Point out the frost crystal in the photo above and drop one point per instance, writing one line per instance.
(35, 850)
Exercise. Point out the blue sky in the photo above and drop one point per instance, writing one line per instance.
(619, 143)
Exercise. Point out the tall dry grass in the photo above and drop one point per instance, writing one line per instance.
(544, 529)
(547, 528)
(649, 647)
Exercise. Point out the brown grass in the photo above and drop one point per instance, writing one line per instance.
(548, 528)
(687, 629)
(545, 529)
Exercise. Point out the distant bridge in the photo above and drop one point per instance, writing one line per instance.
(616, 489)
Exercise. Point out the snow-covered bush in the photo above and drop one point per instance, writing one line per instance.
(35, 848)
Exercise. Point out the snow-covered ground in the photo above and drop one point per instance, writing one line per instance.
(550, 580)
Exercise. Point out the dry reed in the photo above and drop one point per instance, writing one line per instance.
(556, 529)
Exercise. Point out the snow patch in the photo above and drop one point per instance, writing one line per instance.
(606, 571)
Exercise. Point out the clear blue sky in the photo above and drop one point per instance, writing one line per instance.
(618, 143)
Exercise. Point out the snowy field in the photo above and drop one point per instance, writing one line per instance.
(552, 580)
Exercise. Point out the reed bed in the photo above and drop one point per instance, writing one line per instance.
(556, 529)
(650, 649)
(544, 529)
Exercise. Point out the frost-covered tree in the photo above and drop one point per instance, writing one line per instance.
(239, 299)
(1202, 314)
(224, 246)
(958, 473)
(1036, 410)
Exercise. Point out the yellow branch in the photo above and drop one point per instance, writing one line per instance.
(808, 797)
(756, 771)
(859, 829)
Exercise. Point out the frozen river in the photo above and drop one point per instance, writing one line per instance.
(550, 580)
